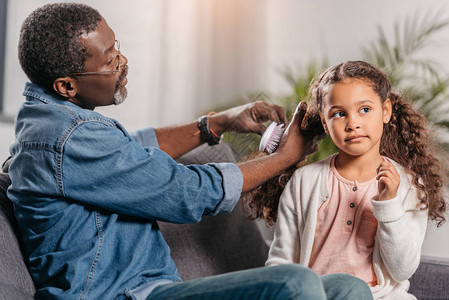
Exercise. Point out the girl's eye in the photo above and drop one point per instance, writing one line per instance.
(338, 114)
(365, 110)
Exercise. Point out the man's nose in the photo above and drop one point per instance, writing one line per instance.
(124, 59)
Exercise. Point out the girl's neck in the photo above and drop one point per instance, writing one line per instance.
(361, 168)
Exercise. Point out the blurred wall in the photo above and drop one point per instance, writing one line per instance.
(301, 31)
(186, 56)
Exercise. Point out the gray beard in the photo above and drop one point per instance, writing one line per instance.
(119, 97)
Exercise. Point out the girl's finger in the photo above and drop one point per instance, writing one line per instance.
(386, 181)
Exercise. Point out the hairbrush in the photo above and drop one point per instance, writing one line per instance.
(273, 134)
(271, 138)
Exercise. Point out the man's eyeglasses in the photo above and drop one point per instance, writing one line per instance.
(117, 69)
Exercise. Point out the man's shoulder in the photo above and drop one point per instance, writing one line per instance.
(45, 119)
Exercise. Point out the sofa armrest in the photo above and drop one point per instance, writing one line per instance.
(5, 165)
(431, 280)
(15, 281)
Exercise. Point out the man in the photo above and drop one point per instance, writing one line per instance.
(87, 194)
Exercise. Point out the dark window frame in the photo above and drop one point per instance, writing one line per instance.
(3, 7)
(3, 10)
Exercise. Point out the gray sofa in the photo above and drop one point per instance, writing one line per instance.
(216, 245)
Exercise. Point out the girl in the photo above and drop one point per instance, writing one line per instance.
(364, 210)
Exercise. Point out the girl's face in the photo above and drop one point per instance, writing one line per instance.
(354, 115)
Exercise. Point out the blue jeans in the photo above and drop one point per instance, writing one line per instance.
(281, 282)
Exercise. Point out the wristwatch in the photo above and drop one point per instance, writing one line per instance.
(206, 134)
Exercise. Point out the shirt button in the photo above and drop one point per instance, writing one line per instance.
(351, 205)
(354, 188)
(349, 222)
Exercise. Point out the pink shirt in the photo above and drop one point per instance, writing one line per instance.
(345, 230)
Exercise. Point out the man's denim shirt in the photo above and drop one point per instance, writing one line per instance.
(87, 194)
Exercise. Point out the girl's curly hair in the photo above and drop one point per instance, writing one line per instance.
(50, 44)
(405, 139)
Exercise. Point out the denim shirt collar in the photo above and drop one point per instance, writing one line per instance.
(42, 94)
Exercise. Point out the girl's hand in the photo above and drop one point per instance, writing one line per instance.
(389, 181)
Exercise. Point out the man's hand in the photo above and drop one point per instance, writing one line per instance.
(293, 148)
(295, 145)
(179, 139)
(247, 118)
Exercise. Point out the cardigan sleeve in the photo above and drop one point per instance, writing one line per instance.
(401, 230)
(286, 244)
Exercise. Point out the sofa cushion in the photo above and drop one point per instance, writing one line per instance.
(431, 280)
(15, 281)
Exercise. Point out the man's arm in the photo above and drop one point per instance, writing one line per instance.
(179, 139)
(294, 146)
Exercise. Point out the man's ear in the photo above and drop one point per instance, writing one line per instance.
(67, 87)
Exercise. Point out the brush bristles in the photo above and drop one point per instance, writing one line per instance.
(275, 138)
(271, 138)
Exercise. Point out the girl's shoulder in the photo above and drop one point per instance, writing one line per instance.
(314, 169)
(311, 178)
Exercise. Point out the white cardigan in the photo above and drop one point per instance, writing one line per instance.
(400, 232)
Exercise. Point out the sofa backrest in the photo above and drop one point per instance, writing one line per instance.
(431, 280)
(216, 245)
(219, 244)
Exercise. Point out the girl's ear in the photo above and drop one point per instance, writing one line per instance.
(323, 122)
(388, 110)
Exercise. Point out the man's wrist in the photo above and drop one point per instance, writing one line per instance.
(218, 123)
(206, 132)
